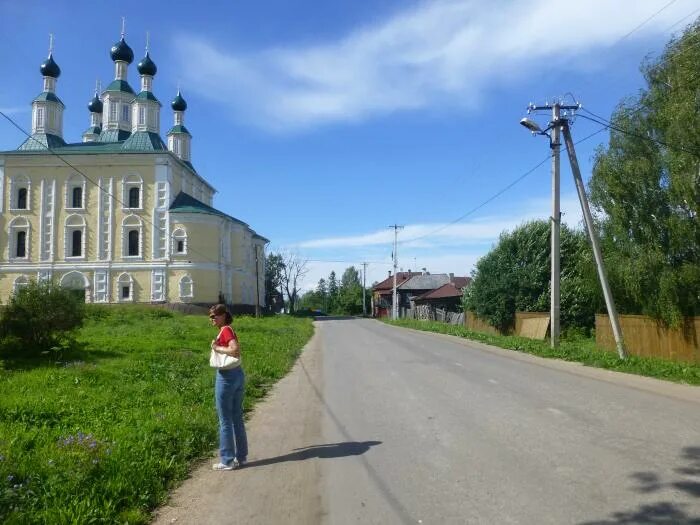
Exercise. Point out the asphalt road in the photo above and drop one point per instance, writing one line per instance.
(377, 424)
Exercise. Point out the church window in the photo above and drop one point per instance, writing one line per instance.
(133, 242)
(132, 192)
(126, 111)
(21, 244)
(180, 242)
(75, 192)
(132, 236)
(186, 288)
(20, 283)
(142, 115)
(74, 236)
(77, 198)
(22, 199)
(18, 235)
(125, 285)
(76, 243)
(113, 111)
(134, 199)
(39, 117)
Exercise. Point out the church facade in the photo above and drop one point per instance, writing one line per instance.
(121, 216)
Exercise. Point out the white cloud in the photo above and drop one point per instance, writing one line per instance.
(440, 52)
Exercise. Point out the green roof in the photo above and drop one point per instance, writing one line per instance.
(185, 203)
(120, 85)
(48, 96)
(42, 141)
(144, 141)
(95, 130)
(147, 95)
(179, 129)
(113, 135)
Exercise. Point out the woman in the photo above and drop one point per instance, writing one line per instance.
(233, 443)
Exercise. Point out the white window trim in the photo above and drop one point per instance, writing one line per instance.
(16, 183)
(73, 223)
(17, 225)
(185, 280)
(123, 279)
(75, 181)
(128, 182)
(179, 234)
(132, 222)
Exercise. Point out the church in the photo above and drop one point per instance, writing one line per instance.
(121, 216)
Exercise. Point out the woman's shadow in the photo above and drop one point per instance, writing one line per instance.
(330, 450)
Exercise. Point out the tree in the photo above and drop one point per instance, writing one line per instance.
(332, 291)
(350, 292)
(273, 281)
(41, 316)
(293, 271)
(645, 189)
(515, 276)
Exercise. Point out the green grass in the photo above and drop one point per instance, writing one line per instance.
(101, 432)
(579, 349)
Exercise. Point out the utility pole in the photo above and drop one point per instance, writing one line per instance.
(394, 303)
(555, 250)
(588, 220)
(364, 278)
(257, 282)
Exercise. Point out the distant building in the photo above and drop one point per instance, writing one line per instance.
(121, 216)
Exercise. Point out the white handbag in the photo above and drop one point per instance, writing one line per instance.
(223, 361)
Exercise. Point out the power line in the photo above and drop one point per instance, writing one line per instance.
(113, 197)
(494, 196)
(604, 122)
(647, 20)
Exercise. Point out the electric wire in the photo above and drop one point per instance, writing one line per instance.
(495, 195)
(647, 20)
(604, 122)
(113, 197)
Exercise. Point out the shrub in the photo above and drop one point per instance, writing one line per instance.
(41, 316)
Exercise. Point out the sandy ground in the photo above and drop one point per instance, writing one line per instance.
(282, 482)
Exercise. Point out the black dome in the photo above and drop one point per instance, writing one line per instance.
(49, 68)
(178, 103)
(147, 66)
(95, 105)
(122, 51)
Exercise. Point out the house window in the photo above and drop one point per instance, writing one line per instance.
(76, 243)
(132, 192)
(186, 288)
(22, 199)
(134, 198)
(179, 242)
(133, 242)
(125, 285)
(77, 198)
(21, 244)
(39, 117)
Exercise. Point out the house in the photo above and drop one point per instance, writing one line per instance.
(382, 292)
(447, 297)
(122, 216)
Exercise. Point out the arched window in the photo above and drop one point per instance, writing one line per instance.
(74, 236)
(132, 236)
(186, 288)
(132, 192)
(22, 199)
(19, 283)
(20, 192)
(125, 288)
(77, 198)
(179, 242)
(18, 234)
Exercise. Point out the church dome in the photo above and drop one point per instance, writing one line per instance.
(95, 105)
(178, 103)
(122, 51)
(49, 68)
(146, 66)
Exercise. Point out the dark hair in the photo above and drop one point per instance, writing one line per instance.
(219, 309)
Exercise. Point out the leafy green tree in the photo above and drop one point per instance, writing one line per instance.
(646, 188)
(350, 292)
(41, 316)
(515, 276)
(273, 281)
(333, 289)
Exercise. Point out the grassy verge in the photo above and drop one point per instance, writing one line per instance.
(100, 433)
(582, 350)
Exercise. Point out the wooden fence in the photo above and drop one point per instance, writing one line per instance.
(429, 313)
(644, 336)
(534, 325)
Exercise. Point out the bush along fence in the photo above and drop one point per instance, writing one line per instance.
(426, 312)
(647, 337)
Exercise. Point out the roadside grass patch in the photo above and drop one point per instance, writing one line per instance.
(578, 348)
(100, 432)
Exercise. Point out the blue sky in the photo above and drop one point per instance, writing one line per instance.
(321, 123)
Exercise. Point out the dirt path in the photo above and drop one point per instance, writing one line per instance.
(281, 484)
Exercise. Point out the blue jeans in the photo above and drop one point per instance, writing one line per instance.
(229, 390)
